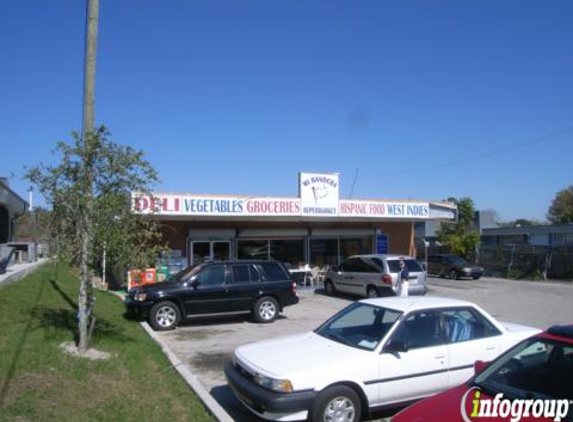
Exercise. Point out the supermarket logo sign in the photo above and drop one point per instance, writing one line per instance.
(500, 408)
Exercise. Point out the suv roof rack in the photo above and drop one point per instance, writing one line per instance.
(561, 330)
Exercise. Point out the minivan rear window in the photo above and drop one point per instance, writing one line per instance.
(412, 265)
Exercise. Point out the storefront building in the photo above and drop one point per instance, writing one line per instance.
(316, 228)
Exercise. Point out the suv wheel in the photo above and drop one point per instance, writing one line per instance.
(164, 316)
(338, 403)
(372, 292)
(329, 287)
(266, 309)
(454, 275)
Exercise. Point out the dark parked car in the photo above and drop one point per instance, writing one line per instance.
(452, 266)
(261, 287)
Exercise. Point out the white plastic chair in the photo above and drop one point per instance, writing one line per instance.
(322, 275)
(313, 275)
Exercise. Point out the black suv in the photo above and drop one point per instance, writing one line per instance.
(452, 266)
(261, 287)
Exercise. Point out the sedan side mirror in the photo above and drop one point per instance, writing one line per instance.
(395, 347)
(479, 365)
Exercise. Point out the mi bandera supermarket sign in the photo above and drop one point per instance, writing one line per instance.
(231, 206)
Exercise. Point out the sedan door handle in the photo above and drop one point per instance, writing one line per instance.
(440, 357)
(490, 347)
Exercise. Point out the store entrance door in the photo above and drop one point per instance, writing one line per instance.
(215, 250)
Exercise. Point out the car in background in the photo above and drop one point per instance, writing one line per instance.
(374, 276)
(452, 266)
(380, 352)
(262, 287)
(539, 368)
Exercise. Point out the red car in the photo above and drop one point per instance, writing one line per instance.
(533, 381)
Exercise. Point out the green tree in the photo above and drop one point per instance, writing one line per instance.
(462, 237)
(89, 192)
(561, 209)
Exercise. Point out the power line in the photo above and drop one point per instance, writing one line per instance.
(353, 184)
(475, 157)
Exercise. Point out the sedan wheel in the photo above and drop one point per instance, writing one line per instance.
(340, 409)
(337, 404)
(454, 275)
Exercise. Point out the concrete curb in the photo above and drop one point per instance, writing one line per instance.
(22, 273)
(189, 378)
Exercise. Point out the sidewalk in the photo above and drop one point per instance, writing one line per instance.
(17, 271)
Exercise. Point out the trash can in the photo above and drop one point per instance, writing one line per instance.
(162, 273)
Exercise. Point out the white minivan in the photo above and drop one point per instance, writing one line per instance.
(374, 276)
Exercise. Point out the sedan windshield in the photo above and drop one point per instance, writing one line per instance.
(359, 325)
(538, 368)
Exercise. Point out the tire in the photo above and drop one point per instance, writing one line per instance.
(266, 309)
(372, 292)
(329, 288)
(454, 275)
(164, 316)
(338, 403)
(475, 277)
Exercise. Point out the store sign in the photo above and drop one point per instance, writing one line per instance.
(382, 244)
(383, 209)
(172, 204)
(319, 194)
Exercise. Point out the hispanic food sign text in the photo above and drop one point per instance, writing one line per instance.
(383, 209)
(319, 194)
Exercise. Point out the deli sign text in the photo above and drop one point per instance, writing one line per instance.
(172, 204)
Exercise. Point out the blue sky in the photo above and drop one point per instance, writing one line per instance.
(238, 96)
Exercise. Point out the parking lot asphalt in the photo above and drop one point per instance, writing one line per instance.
(206, 344)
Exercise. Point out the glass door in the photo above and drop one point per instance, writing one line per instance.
(202, 251)
(221, 250)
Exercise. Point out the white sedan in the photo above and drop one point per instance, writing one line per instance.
(374, 353)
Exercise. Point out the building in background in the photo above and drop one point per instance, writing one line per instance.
(542, 235)
(317, 227)
(12, 206)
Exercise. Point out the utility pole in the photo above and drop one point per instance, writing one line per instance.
(90, 67)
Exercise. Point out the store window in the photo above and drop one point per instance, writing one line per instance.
(335, 251)
(324, 252)
(289, 251)
(253, 249)
(355, 246)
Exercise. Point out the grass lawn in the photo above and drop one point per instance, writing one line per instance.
(40, 383)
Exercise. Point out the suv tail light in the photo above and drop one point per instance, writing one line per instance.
(387, 279)
(293, 288)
